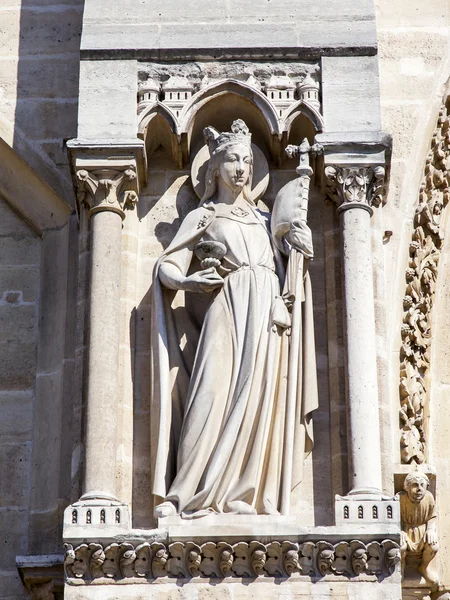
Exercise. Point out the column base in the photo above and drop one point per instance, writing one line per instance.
(96, 515)
(366, 508)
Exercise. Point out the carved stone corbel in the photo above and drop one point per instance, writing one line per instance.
(42, 575)
(351, 187)
(150, 561)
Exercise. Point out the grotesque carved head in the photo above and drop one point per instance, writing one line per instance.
(416, 485)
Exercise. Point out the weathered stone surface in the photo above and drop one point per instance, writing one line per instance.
(348, 100)
(107, 103)
(15, 469)
(17, 416)
(163, 27)
(17, 364)
(58, 32)
(251, 591)
(13, 535)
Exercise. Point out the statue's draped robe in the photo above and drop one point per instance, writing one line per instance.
(415, 517)
(218, 413)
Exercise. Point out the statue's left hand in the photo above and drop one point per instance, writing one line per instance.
(300, 238)
(431, 537)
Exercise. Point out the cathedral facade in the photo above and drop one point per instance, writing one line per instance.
(224, 299)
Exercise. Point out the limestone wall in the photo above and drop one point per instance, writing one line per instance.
(20, 259)
(39, 69)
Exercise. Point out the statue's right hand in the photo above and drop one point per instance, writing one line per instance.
(207, 280)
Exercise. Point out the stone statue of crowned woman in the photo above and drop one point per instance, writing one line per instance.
(233, 363)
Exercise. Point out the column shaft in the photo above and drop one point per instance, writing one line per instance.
(362, 388)
(101, 422)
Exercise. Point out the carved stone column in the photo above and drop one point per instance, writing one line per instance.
(107, 182)
(356, 190)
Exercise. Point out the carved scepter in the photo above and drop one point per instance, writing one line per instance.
(289, 211)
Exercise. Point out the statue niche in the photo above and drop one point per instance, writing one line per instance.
(222, 403)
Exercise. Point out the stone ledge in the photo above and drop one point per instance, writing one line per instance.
(303, 52)
(149, 561)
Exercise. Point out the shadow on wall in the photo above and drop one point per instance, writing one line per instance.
(48, 68)
(46, 114)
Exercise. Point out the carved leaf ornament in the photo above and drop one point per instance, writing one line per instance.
(421, 276)
(185, 560)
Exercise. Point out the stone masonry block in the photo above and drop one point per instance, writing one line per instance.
(396, 85)
(51, 32)
(15, 463)
(401, 122)
(13, 535)
(12, 586)
(418, 13)
(19, 250)
(49, 77)
(278, 24)
(22, 279)
(10, 223)
(42, 119)
(49, 521)
(156, 11)
(17, 365)
(18, 322)
(107, 106)
(52, 317)
(46, 440)
(404, 44)
(16, 409)
(348, 95)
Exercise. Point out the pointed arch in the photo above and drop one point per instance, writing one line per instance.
(302, 108)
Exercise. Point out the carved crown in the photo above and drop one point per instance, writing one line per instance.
(239, 134)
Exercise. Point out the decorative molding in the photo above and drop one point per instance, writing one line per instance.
(421, 276)
(355, 187)
(90, 561)
(283, 83)
(105, 188)
(107, 174)
(280, 91)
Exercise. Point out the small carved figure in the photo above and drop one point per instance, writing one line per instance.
(419, 518)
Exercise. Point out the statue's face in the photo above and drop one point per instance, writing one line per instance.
(235, 166)
(416, 490)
